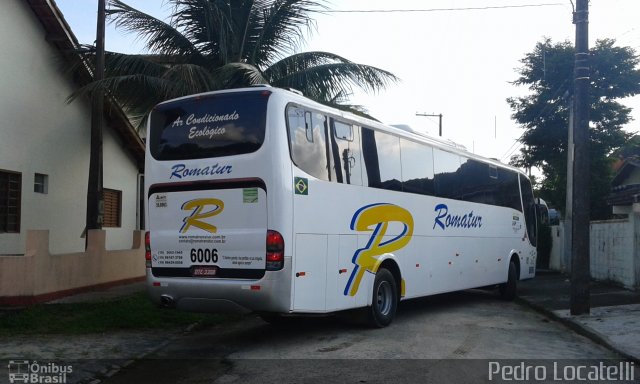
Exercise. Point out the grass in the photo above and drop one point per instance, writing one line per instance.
(135, 312)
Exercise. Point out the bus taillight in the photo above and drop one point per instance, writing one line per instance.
(275, 251)
(147, 247)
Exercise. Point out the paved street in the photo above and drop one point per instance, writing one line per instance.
(472, 325)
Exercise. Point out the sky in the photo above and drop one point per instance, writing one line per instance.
(451, 60)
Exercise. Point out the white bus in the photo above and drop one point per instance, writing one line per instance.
(262, 200)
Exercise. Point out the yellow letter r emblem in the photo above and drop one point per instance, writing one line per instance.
(375, 218)
(197, 207)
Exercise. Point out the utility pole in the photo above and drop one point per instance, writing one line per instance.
(95, 202)
(432, 115)
(580, 258)
(568, 227)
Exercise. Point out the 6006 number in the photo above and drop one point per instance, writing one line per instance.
(204, 255)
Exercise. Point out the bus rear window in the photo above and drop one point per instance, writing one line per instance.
(209, 126)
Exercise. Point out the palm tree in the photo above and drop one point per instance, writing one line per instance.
(216, 44)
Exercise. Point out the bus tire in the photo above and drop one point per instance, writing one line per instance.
(508, 290)
(385, 299)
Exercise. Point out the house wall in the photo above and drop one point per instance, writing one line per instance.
(41, 133)
(614, 250)
(39, 276)
(120, 173)
(556, 261)
(633, 178)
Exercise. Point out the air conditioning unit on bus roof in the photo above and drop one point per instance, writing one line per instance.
(406, 127)
(457, 145)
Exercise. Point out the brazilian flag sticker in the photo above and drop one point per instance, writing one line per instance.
(301, 186)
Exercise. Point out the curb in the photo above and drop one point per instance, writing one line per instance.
(578, 328)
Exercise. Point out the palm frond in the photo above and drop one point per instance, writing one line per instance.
(300, 62)
(207, 24)
(80, 62)
(159, 37)
(118, 64)
(136, 94)
(323, 75)
(235, 75)
(216, 44)
(281, 29)
(127, 89)
(186, 79)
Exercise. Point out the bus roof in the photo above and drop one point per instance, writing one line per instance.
(297, 96)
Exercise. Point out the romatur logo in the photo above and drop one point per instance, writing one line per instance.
(198, 213)
(445, 220)
(375, 218)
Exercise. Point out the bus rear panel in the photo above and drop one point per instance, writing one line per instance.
(210, 247)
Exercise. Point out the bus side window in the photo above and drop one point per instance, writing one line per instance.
(493, 172)
(308, 126)
(344, 131)
(529, 206)
(307, 135)
(327, 140)
(417, 167)
(345, 147)
(381, 153)
(508, 190)
(478, 184)
(446, 168)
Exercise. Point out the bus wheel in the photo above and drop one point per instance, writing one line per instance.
(385, 299)
(509, 289)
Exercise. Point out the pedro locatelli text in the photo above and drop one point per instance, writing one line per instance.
(608, 372)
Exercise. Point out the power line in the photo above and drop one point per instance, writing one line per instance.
(517, 144)
(433, 115)
(624, 33)
(440, 9)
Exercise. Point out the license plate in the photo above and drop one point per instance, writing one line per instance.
(207, 271)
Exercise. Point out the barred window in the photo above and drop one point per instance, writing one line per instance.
(112, 208)
(10, 193)
(41, 183)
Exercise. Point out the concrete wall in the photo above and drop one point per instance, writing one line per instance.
(556, 259)
(41, 133)
(614, 250)
(40, 275)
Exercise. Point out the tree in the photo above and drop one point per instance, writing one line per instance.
(630, 149)
(544, 114)
(217, 44)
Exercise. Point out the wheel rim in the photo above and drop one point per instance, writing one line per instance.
(384, 298)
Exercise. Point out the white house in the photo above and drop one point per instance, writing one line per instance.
(44, 141)
(625, 187)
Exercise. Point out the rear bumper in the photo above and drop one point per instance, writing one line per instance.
(271, 293)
